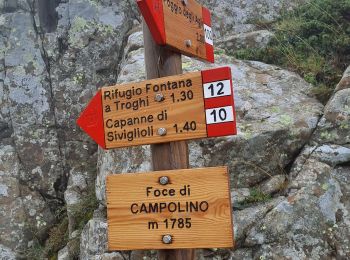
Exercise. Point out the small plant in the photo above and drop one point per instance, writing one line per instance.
(83, 211)
(256, 196)
(58, 235)
(313, 40)
(58, 238)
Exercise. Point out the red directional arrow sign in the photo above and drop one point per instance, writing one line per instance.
(184, 25)
(182, 107)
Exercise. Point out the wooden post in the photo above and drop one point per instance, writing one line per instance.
(161, 62)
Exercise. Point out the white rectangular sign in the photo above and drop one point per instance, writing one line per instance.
(217, 89)
(219, 115)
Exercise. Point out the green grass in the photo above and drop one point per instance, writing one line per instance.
(256, 196)
(313, 40)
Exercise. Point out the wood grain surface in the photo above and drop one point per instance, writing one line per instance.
(183, 106)
(129, 225)
(185, 22)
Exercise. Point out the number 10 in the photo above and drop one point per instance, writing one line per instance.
(219, 115)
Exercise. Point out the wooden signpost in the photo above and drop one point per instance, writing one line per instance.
(170, 209)
(183, 107)
(183, 25)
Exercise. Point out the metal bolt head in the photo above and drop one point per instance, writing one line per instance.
(184, 2)
(188, 43)
(167, 239)
(162, 131)
(164, 180)
(159, 97)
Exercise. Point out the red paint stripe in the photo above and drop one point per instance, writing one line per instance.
(206, 16)
(152, 11)
(209, 48)
(218, 102)
(223, 129)
(91, 120)
(216, 74)
(209, 52)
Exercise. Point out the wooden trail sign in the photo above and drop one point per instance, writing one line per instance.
(188, 208)
(183, 25)
(182, 107)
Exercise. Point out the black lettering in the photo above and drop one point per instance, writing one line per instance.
(107, 94)
(152, 225)
(148, 190)
(193, 206)
(171, 192)
(189, 83)
(153, 208)
(110, 136)
(203, 206)
(109, 123)
(143, 208)
(162, 206)
(172, 204)
(148, 87)
(108, 109)
(132, 208)
(156, 193)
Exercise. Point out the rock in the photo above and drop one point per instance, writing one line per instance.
(242, 254)
(273, 185)
(9, 6)
(94, 239)
(345, 81)
(239, 195)
(12, 226)
(109, 256)
(47, 76)
(333, 155)
(5, 131)
(292, 225)
(245, 219)
(63, 254)
(230, 16)
(256, 39)
(6, 253)
(335, 124)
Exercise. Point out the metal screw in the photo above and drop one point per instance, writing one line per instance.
(167, 239)
(159, 97)
(188, 43)
(162, 131)
(185, 2)
(164, 180)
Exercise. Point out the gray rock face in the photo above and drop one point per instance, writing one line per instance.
(345, 81)
(241, 16)
(46, 80)
(256, 39)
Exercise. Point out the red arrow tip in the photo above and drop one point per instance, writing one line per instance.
(91, 120)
